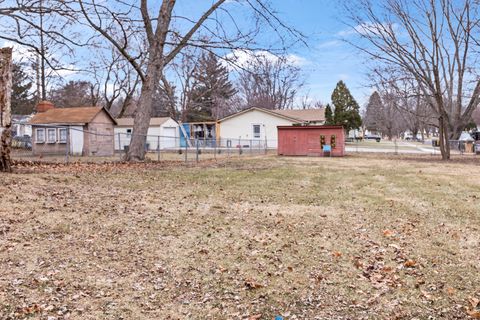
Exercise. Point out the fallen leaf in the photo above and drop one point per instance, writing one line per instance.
(474, 302)
(410, 263)
(474, 314)
(450, 291)
(252, 284)
(337, 254)
(255, 317)
(387, 233)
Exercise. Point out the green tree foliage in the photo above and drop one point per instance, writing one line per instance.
(328, 115)
(374, 110)
(23, 101)
(346, 108)
(212, 89)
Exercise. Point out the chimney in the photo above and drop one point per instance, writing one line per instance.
(43, 106)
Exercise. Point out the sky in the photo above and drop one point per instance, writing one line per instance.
(326, 58)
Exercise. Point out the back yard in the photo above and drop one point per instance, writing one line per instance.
(305, 238)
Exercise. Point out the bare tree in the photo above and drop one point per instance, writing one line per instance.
(116, 80)
(270, 82)
(5, 110)
(44, 29)
(434, 43)
(164, 42)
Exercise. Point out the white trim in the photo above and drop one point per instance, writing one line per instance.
(36, 135)
(48, 135)
(60, 136)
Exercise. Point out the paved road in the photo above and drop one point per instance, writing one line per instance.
(403, 147)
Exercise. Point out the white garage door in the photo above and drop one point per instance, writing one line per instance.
(169, 137)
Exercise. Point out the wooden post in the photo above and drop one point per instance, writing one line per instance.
(5, 110)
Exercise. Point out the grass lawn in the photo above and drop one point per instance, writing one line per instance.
(360, 237)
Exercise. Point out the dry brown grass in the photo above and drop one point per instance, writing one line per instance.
(306, 238)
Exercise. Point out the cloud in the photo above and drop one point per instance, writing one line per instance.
(242, 58)
(329, 44)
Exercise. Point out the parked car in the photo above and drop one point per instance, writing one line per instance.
(373, 137)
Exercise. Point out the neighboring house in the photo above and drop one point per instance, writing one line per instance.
(21, 126)
(205, 133)
(258, 126)
(476, 117)
(163, 131)
(86, 131)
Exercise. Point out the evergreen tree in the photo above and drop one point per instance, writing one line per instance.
(346, 108)
(328, 115)
(212, 89)
(22, 101)
(373, 112)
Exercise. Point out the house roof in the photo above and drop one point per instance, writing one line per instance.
(128, 122)
(294, 115)
(307, 115)
(68, 115)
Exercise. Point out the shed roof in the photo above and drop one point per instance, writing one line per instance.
(128, 122)
(68, 115)
(294, 115)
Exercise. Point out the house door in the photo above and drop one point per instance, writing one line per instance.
(169, 138)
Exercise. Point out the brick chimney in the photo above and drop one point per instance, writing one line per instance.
(43, 106)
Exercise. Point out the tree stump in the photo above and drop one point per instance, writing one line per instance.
(5, 109)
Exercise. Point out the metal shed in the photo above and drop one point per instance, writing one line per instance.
(311, 140)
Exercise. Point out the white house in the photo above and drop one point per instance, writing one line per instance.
(162, 131)
(258, 126)
(20, 125)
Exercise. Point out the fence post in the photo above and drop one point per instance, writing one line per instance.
(119, 146)
(197, 149)
(215, 149)
(396, 146)
(158, 148)
(67, 147)
(186, 150)
(266, 147)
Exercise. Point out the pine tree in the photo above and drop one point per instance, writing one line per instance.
(373, 112)
(212, 89)
(346, 108)
(22, 100)
(328, 115)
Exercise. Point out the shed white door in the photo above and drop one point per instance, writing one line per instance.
(169, 137)
(76, 140)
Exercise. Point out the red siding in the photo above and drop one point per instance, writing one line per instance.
(305, 140)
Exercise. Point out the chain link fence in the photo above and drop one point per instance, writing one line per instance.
(63, 144)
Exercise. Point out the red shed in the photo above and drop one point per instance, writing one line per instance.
(311, 140)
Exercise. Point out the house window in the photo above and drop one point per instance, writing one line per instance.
(39, 135)
(62, 135)
(51, 135)
(256, 131)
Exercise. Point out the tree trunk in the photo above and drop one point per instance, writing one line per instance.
(5, 110)
(444, 139)
(143, 113)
